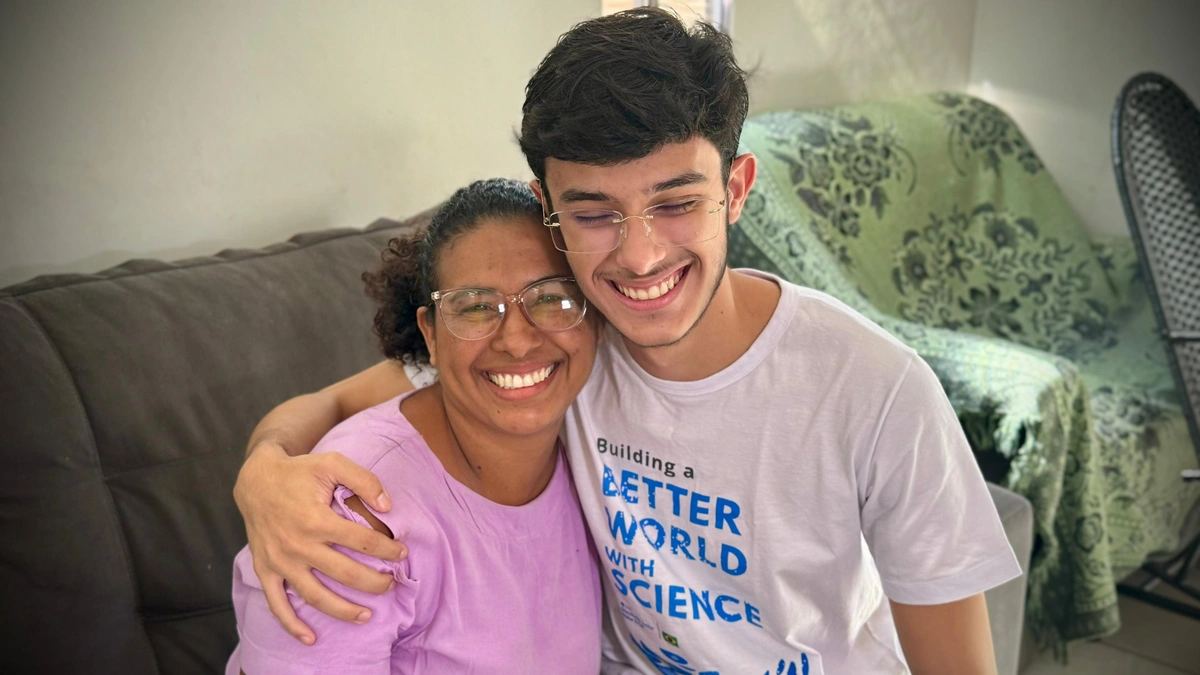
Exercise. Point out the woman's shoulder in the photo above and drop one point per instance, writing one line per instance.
(383, 441)
(368, 436)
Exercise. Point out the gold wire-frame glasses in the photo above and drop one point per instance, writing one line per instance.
(681, 223)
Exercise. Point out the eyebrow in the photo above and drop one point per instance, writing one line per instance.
(536, 281)
(547, 278)
(682, 180)
(572, 195)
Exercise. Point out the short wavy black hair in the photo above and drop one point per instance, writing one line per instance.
(619, 87)
(408, 273)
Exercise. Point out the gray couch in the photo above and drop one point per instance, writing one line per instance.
(126, 398)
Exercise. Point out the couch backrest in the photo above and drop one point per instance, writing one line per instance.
(126, 399)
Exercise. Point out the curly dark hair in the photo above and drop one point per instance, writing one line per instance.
(619, 87)
(408, 273)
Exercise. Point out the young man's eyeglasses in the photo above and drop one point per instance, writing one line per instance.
(476, 313)
(601, 230)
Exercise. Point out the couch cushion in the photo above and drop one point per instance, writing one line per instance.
(126, 400)
(63, 563)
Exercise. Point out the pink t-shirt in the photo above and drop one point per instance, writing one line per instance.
(486, 588)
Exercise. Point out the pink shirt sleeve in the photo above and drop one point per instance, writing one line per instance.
(342, 647)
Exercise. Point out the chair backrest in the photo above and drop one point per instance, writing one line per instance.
(1156, 156)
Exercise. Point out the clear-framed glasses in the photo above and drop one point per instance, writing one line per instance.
(677, 223)
(476, 313)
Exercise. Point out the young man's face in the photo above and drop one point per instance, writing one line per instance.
(681, 279)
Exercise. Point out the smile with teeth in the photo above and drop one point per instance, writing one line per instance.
(652, 292)
(510, 381)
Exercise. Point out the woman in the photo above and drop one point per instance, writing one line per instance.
(501, 576)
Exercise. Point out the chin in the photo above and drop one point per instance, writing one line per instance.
(651, 337)
(528, 424)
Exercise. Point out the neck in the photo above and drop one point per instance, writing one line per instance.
(737, 314)
(504, 468)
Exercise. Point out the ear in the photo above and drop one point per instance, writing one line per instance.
(741, 179)
(425, 323)
(536, 186)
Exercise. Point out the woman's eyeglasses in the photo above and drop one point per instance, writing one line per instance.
(476, 313)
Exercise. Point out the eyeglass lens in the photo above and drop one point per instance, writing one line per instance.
(676, 224)
(476, 313)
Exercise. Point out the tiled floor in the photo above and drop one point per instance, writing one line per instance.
(1151, 641)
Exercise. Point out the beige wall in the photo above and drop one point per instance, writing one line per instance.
(139, 128)
(165, 129)
(1056, 67)
(823, 52)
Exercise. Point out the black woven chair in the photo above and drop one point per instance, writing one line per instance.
(1156, 156)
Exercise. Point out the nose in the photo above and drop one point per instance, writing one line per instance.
(516, 336)
(636, 252)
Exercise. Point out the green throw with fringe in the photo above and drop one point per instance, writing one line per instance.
(935, 218)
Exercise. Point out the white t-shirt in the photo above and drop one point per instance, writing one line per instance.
(757, 521)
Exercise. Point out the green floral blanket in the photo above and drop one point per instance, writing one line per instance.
(934, 217)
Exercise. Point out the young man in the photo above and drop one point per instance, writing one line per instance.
(774, 483)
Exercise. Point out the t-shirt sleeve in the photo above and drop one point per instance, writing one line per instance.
(341, 647)
(927, 517)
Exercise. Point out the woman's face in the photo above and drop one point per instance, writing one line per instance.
(508, 255)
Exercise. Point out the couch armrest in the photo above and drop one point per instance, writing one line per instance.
(1006, 603)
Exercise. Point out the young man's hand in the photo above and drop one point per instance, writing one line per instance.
(285, 502)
